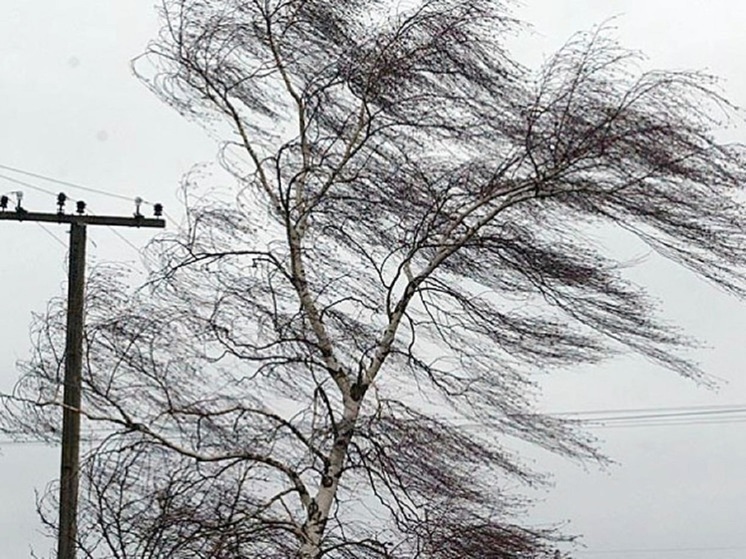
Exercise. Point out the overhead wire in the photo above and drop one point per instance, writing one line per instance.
(125, 240)
(652, 409)
(68, 183)
(618, 418)
(695, 415)
(27, 185)
(706, 420)
(39, 189)
(667, 424)
(42, 442)
(30, 442)
(51, 234)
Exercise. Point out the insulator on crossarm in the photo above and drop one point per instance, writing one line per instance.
(138, 203)
(4, 202)
(158, 210)
(19, 199)
(61, 199)
(80, 207)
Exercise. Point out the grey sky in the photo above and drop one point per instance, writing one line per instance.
(70, 108)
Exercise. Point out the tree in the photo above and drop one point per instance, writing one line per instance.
(410, 239)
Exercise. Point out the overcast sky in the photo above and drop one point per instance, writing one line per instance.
(70, 108)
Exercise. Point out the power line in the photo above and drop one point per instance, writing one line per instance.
(27, 185)
(653, 409)
(659, 420)
(682, 415)
(126, 240)
(667, 423)
(637, 412)
(96, 435)
(716, 415)
(35, 442)
(49, 232)
(67, 183)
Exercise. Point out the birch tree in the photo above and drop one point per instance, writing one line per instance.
(332, 357)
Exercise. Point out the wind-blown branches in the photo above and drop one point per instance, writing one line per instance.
(411, 239)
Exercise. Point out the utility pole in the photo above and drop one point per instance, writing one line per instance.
(70, 456)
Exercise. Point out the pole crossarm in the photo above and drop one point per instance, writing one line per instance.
(82, 219)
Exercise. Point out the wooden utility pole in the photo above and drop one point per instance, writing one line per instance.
(70, 456)
(69, 461)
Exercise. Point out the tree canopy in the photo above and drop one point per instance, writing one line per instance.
(410, 239)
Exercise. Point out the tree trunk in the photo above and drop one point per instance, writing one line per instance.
(318, 510)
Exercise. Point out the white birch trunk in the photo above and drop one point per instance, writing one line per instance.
(321, 504)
